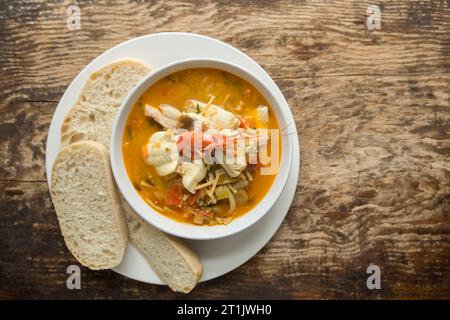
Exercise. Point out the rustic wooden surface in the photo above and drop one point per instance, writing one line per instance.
(372, 109)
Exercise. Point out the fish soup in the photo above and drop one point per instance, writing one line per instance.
(182, 123)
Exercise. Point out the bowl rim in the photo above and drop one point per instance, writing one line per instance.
(159, 220)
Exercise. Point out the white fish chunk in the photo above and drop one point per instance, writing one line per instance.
(192, 173)
(234, 165)
(262, 114)
(162, 152)
(254, 141)
(215, 116)
(169, 111)
(164, 121)
(233, 160)
(234, 170)
(220, 118)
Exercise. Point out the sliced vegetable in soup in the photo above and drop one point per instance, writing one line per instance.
(192, 146)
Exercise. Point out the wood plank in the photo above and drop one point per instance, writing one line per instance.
(316, 253)
(372, 109)
(336, 117)
(374, 188)
(23, 130)
(291, 39)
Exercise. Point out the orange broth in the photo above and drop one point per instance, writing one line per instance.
(175, 89)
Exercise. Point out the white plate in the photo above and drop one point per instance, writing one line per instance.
(217, 256)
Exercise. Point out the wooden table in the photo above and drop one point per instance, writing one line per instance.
(372, 108)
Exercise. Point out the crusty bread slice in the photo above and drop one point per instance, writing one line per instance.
(88, 205)
(92, 119)
(87, 121)
(172, 261)
(92, 116)
(109, 85)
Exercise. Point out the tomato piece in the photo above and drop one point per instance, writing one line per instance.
(174, 195)
(205, 213)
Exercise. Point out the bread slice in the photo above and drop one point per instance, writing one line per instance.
(91, 119)
(87, 121)
(111, 84)
(88, 205)
(174, 263)
(93, 115)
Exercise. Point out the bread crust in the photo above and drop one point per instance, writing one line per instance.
(65, 209)
(79, 125)
(92, 115)
(139, 230)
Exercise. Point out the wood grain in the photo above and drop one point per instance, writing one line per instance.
(288, 38)
(372, 110)
(24, 127)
